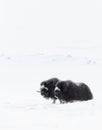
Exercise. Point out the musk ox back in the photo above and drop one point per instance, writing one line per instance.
(48, 87)
(69, 91)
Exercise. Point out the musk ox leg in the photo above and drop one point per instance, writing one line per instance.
(62, 101)
(54, 101)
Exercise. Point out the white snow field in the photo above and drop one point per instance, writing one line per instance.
(44, 39)
(21, 107)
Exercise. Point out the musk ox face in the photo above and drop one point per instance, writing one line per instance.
(47, 88)
(62, 87)
(44, 92)
(57, 93)
(59, 89)
(69, 91)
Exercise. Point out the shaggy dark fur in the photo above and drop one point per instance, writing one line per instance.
(68, 91)
(48, 87)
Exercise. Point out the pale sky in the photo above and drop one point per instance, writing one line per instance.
(34, 25)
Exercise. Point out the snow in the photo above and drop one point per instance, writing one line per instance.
(21, 107)
(44, 39)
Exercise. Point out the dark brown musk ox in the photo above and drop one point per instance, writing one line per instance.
(69, 91)
(48, 87)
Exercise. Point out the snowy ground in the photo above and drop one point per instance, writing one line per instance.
(22, 108)
(41, 39)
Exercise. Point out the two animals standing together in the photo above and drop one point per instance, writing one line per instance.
(65, 91)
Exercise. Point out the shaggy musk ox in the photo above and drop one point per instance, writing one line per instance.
(48, 87)
(68, 91)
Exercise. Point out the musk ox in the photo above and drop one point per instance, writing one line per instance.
(68, 91)
(48, 87)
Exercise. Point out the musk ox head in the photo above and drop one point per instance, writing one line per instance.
(47, 88)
